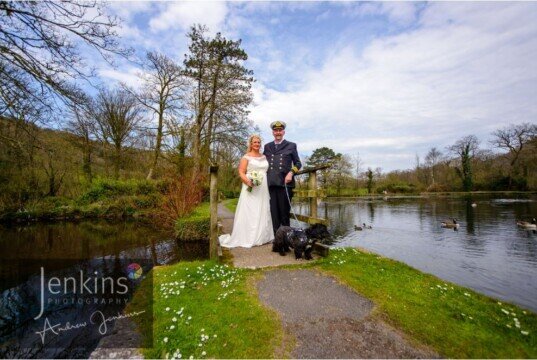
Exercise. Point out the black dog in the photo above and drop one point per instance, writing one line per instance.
(287, 237)
(319, 232)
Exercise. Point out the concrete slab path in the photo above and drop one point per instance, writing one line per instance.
(331, 321)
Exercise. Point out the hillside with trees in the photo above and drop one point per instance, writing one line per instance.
(59, 134)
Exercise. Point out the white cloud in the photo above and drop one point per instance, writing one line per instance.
(128, 76)
(399, 12)
(469, 68)
(126, 10)
(181, 15)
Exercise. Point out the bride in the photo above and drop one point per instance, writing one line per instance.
(252, 225)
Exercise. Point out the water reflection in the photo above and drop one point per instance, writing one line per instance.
(488, 252)
(93, 247)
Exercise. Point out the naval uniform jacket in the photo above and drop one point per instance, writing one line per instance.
(281, 160)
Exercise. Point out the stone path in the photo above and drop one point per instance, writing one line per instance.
(330, 320)
(327, 319)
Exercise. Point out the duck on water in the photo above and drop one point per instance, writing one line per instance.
(450, 224)
(527, 225)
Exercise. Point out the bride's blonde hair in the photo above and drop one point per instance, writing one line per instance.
(251, 139)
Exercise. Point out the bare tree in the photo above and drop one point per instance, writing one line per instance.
(465, 149)
(39, 40)
(162, 94)
(514, 139)
(83, 125)
(357, 160)
(341, 169)
(118, 115)
(432, 159)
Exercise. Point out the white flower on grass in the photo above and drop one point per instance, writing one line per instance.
(524, 332)
(167, 309)
(190, 318)
(214, 335)
(172, 327)
(203, 353)
(505, 311)
(200, 344)
(165, 339)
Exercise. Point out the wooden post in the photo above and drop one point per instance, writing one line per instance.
(312, 185)
(213, 240)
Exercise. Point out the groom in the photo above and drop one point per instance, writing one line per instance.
(283, 162)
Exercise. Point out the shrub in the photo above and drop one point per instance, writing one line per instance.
(437, 188)
(182, 195)
(502, 183)
(405, 188)
(102, 189)
(195, 226)
(230, 194)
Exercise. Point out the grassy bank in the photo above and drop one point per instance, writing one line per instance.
(457, 322)
(222, 301)
(104, 199)
(196, 225)
(231, 204)
(206, 310)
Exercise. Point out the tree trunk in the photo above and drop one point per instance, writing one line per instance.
(86, 167)
(158, 144)
(117, 162)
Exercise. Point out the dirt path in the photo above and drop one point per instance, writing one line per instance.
(329, 320)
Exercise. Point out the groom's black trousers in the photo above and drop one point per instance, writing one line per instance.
(280, 206)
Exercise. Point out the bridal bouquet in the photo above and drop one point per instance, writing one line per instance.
(256, 178)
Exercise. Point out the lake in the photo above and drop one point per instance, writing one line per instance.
(70, 249)
(488, 253)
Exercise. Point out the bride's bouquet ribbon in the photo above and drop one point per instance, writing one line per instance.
(256, 178)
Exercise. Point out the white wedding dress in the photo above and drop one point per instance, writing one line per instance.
(252, 225)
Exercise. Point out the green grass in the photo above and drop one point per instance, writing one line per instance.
(231, 204)
(332, 192)
(457, 322)
(213, 300)
(454, 321)
(196, 225)
(105, 189)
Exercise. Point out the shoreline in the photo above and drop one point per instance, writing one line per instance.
(430, 311)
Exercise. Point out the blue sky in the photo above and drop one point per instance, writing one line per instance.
(385, 80)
